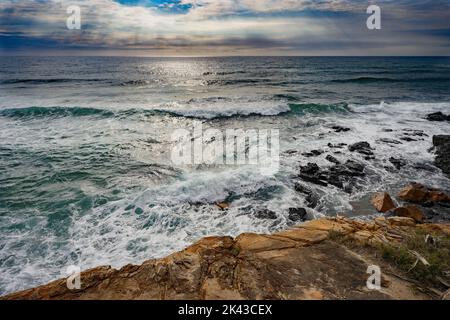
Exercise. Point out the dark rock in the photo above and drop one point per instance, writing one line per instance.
(361, 147)
(332, 159)
(297, 214)
(398, 163)
(266, 214)
(417, 133)
(388, 141)
(337, 146)
(387, 130)
(442, 145)
(313, 153)
(438, 116)
(311, 168)
(311, 198)
(339, 129)
(407, 139)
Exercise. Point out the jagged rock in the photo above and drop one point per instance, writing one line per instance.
(313, 153)
(442, 145)
(223, 206)
(332, 159)
(382, 202)
(389, 141)
(339, 129)
(266, 214)
(438, 116)
(297, 214)
(311, 198)
(292, 264)
(412, 212)
(407, 139)
(398, 163)
(337, 146)
(361, 147)
(338, 175)
(418, 193)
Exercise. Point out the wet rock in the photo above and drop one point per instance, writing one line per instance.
(414, 193)
(337, 146)
(438, 116)
(311, 198)
(332, 159)
(389, 141)
(311, 168)
(223, 206)
(313, 153)
(382, 202)
(407, 139)
(413, 132)
(362, 147)
(398, 163)
(418, 193)
(339, 129)
(297, 214)
(266, 214)
(442, 146)
(410, 212)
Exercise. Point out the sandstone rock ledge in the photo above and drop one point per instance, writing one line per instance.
(305, 262)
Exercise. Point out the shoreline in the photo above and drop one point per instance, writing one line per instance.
(322, 259)
(326, 258)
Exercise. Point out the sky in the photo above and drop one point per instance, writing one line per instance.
(225, 28)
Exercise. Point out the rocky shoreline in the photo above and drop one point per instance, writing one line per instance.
(320, 259)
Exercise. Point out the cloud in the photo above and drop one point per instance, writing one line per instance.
(197, 27)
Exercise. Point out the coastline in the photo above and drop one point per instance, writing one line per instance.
(326, 258)
(322, 259)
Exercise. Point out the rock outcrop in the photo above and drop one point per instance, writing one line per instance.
(383, 202)
(418, 193)
(305, 262)
(442, 145)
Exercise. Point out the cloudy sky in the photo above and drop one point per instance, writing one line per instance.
(224, 27)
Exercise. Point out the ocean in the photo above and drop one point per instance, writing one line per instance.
(86, 176)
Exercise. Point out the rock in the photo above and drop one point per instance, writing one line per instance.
(337, 146)
(313, 153)
(398, 163)
(438, 116)
(266, 214)
(407, 139)
(442, 146)
(223, 206)
(311, 173)
(339, 129)
(388, 141)
(311, 198)
(298, 263)
(414, 193)
(414, 132)
(412, 212)
(297, 214)
(418, 193)
(382, 202)
(311, 168)
(361, 147)
(332, 159)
